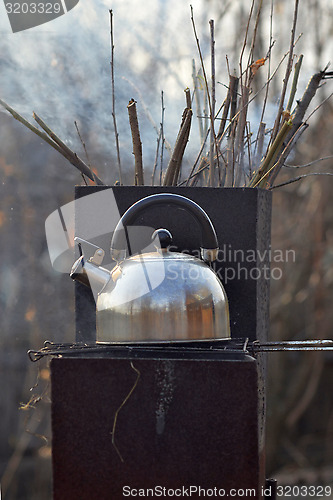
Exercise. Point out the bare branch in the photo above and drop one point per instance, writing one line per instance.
(68, 153)
(287, 74)
(85, 149)
(310, 163)
(212, 132)
(299, 113)
(172, 173)
(156, 156)
(273, 151)
(295, 81)
(114, 98)
(137, 145)
(271, 175)
(239, 138)
(245, 40)
(199, 156)
(188, 98)
(226, 106)
(317, 107)
(205, 80)
(296, 179)
(259, 148)
(162, 136)
(197, 100)
(251, 52)
(269, 57)
(234, 116)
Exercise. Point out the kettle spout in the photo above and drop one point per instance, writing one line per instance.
(90, 274)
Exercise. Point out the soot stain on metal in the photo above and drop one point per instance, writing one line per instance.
(165, 378)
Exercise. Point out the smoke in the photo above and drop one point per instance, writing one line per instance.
(61, 70)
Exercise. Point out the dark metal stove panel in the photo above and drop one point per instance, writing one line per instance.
(187, 422)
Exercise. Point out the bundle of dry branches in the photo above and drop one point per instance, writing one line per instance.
(240, 160)
(232, 158)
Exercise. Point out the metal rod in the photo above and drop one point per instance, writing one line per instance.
(293, 345)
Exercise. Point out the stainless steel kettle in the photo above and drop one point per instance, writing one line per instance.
(160, 295)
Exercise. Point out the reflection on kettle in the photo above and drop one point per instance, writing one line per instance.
(160, 295)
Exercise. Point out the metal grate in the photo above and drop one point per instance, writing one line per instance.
(215, 349)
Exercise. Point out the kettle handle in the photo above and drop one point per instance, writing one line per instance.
(209, 243)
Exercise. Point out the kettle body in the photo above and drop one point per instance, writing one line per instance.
(162, 296)
(158, 296)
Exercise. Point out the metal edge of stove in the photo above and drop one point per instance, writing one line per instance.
(230, 349)
(203, 349)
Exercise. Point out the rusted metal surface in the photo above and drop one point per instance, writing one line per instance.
(186, 422)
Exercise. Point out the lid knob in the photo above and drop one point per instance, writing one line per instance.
(164, 236)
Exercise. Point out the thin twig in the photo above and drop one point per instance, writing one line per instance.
(296, 179)
(197, 158)
(72, 158)
(194, 175)
(31, 127)
(287, 74)
(239, 138)
(249, 135)
(226, 106)
(273, 74)
(273, 151)
(213, 100)
(271, 174)
(230, 163)
(251, 52)
(310, 163)
(137, 144)
(211, 114)
(235, 117)
(222, 131)
(82, 142)
(259, 148)
(84, 147)
(309, 93)
(230, 173)
(188, 98)
(68, 153)
(269, 57)
(156, 157)
(245, 41)
(295, 81)
(317, 107)
(172, 172)
(162, 136)
(120, 407)
(197, 100)
(114, 99)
